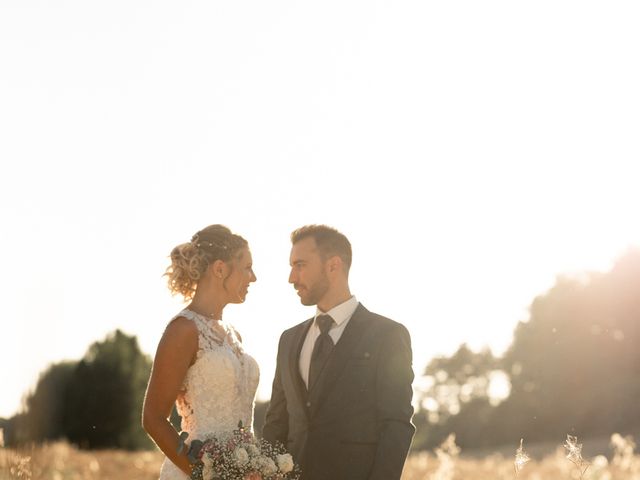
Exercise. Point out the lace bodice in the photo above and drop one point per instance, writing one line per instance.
(219, 388)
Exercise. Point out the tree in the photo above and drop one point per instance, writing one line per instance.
(458, 389)
(44, 417)
(574, 364)
(104, 398)
(454, 381)
(573, 367)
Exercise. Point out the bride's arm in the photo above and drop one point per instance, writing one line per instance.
(176, 352)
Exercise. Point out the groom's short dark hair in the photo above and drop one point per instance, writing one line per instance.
(330, 242)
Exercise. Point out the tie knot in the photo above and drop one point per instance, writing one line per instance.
(324, 322)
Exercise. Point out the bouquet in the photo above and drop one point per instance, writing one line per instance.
(239, 456)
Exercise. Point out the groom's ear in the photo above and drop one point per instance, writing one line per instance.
(334, 264)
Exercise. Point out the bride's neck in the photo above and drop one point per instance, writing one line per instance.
(207, 306)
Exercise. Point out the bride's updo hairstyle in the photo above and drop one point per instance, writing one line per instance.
(189, 261)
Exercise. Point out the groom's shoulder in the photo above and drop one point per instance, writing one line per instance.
(381, 324)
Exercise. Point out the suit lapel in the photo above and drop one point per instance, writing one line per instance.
(294, 363)
(342, 351)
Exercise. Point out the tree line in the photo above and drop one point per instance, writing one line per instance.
(573, 367)
(93, 403)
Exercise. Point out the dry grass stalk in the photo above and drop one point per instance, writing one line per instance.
(521, 458)
(574, 454)
(60, 461)
(447, 454)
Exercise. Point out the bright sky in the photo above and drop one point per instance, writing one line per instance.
(470, 150)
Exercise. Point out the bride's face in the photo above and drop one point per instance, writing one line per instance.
(237, 282)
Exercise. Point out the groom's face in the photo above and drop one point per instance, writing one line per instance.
(308, 274)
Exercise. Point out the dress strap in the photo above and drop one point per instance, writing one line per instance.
(205, 330)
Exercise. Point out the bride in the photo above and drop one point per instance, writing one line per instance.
(200, 365)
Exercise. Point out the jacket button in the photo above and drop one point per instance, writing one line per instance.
(308, 404)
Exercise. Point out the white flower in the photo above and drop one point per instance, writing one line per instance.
(285, 462)
(264, 465)
(256, 463)
(253, 450)
(207, 468)
(268, 467)
(241, 456)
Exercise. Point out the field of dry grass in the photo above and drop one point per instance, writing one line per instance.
(59, 461)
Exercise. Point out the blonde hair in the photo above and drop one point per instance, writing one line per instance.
(189, 261)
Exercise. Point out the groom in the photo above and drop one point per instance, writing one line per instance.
(341, 397)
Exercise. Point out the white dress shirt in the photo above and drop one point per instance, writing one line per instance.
(341, 315)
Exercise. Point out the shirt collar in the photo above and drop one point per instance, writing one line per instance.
(341, 313)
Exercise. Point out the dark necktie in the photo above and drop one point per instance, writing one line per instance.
(321, 349)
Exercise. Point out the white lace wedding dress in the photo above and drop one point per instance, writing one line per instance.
(218, 390)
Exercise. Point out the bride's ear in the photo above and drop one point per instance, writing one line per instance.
(219, 269)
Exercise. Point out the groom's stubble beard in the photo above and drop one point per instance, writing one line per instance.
(316, 291)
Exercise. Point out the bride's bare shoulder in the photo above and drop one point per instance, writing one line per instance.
(180, 330)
